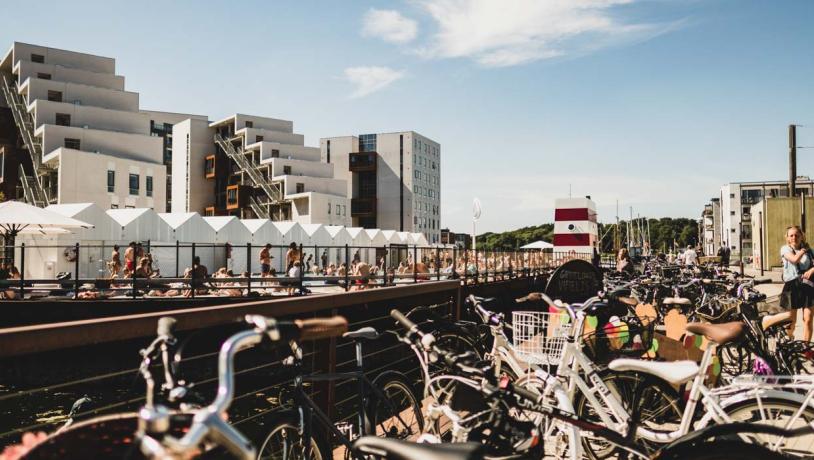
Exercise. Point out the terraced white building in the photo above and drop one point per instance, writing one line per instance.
(79, 135)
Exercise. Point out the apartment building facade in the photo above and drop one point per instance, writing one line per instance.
(393, 180)
(81, 135)
(733, 224)
(254, 167)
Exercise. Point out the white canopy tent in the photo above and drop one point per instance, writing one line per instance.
(538, 245)
(184, 228)
(340, 236)
(290, 232)
(374, 237)
(135, 224)
(228, 229)
(317, 236)
(96, 243)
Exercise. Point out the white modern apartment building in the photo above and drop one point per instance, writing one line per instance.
(735, 201)
(81, 135)
(393, 179)
(254, 167)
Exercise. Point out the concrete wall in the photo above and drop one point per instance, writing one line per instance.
(93, 117)
(250, 134)
(23, 51)
(313, 184)
(76, 93)
(191, 143)
(133, 146)
(272, 124)
(298, 152)
(318, 204)
(28, 69)
(341, 147)
(300, 167)
(83, 178)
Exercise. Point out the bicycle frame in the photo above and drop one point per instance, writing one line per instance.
(308, 409)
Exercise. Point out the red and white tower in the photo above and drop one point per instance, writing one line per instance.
(575, 227)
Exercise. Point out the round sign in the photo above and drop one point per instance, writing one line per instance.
(574, 281)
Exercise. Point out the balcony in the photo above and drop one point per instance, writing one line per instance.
(363, 207)
(362, 161)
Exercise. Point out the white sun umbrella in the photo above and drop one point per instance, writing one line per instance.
(538, 245)
(16, 217)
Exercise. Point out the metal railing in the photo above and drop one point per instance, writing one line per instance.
(248, 166)
(35, 192)
(86, 271)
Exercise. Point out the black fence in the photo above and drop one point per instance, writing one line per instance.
(84, 272)
(45, 368)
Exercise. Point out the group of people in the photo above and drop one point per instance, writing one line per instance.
(137, 262)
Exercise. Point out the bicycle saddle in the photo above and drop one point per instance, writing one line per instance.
(718, 333)
(393, 449)
(674, 372)
(365, 333)
(676, 301)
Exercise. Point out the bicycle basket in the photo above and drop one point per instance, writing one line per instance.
(539, 336)
(618, 337)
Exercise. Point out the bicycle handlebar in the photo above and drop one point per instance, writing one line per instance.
(207, 421)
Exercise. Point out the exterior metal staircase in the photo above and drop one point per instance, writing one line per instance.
(248, 166)
(35, 192)
(30, 190)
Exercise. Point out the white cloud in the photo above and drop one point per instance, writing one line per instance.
(389, 25)
(368, 80)
(508, 33)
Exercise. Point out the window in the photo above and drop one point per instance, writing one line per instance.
(258, 138)
(731, 213)
(746, 210)
(343, 210)
(134, 184)
(733, 231)
(249, 124)
(337, 210)
(37, 58)
(54, 96)
(329, 209)
(114, 206)
(367, 142)
(275, 153)
(209, 167)
(73, 144)
(111, 181)
(210, 211)
(43, 76)
(286, 169)
(300, 187)
(149, 186)
(731, 195)
(329, 151)
(63, 119)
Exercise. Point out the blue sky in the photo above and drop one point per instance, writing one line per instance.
(654, 103)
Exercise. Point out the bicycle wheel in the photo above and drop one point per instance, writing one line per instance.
(781, 413)
(658, 408)
(720, 450)
(284, 441)
(735, 359)
(399, 415)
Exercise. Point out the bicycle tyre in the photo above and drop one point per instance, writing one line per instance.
(797, 447)
(410, 423)
(284, 440)
(626, 383)
(720, 450)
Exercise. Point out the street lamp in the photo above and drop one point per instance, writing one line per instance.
(476, 212)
